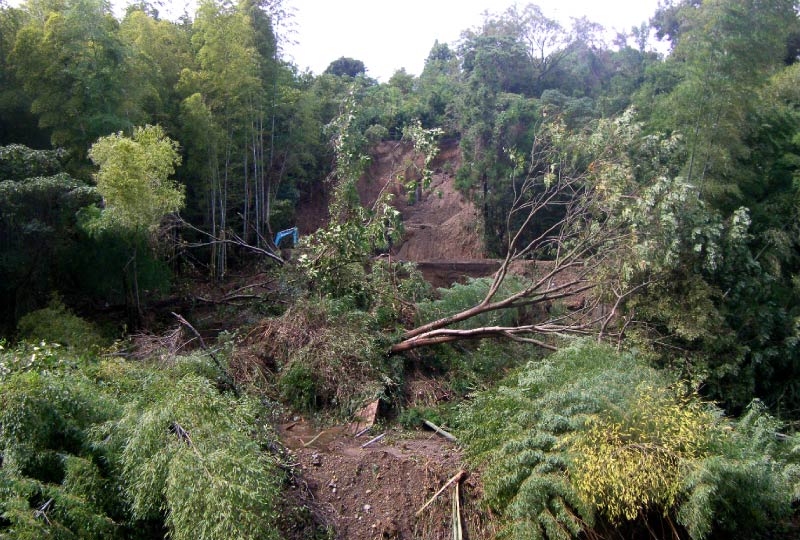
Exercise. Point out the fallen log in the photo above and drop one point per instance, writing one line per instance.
(440, 431)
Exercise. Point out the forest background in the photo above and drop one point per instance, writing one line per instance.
(138, 154)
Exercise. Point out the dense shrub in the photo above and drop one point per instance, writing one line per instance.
(330, 347)
(460, 297)
(376, 133)
(57, 324)
(329, 355)
(104, 449)
(590, 438)
(190, 451)
(18, 162)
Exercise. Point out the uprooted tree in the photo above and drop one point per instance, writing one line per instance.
(565, 220)
(561, 218)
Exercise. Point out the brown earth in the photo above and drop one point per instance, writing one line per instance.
(442, 224)
(375, 492)
(312, 209)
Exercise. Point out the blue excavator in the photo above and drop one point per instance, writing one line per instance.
(284, 234)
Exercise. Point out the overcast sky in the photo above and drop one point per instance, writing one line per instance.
(389, 35)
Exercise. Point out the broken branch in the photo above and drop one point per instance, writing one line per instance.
(460, 475)
(440, 431)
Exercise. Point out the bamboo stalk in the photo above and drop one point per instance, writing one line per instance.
(305, 444)
(457, 478)
(376, 439)
(440, 431)
(457, 532)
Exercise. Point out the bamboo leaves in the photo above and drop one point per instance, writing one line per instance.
(134, 177)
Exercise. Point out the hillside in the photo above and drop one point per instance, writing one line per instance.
(546, 285)
(443, 225)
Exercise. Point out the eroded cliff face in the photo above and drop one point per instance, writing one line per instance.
(440, 222)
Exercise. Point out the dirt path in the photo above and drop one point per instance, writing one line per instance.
(374, 492)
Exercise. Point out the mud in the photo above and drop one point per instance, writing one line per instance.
(375, 492)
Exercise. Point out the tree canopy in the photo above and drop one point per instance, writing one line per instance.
(630, 368)
(133, 177)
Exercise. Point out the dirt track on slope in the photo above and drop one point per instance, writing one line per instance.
(443, 223)
(375, 492)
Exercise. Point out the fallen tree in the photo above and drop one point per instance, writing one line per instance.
(575, 248)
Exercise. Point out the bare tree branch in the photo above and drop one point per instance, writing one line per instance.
(570, 251)
(236, 241)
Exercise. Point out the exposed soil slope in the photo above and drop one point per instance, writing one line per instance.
(442, 225)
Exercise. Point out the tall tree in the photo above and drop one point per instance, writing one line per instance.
(17, 123)
(160, 50)
(726, 50)
(346, 67)
(546, 42)
(72, 63)
(134, 181)
(227, 78)
(38, 206)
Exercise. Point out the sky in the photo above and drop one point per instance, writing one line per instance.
(389, 35)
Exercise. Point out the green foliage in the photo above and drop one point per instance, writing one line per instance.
(37, 224)
(18, 125)
(335, 257)
(346, 67)
(637, 461)
(588, 436)
(298, 387)
(460, 297)
(438, 86)
(79, 74)
(57, 324)
(134, 177)
(425, 145)
(113, 449)
(723, 97)
(187, 450)
(709, 273)
(99, 263)
(40, 356)
(49, 482)
(329, 354)
(726, 50)
(375, 134)
(411, 418)
(747, 483)
(462, 369)
(18, 162)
